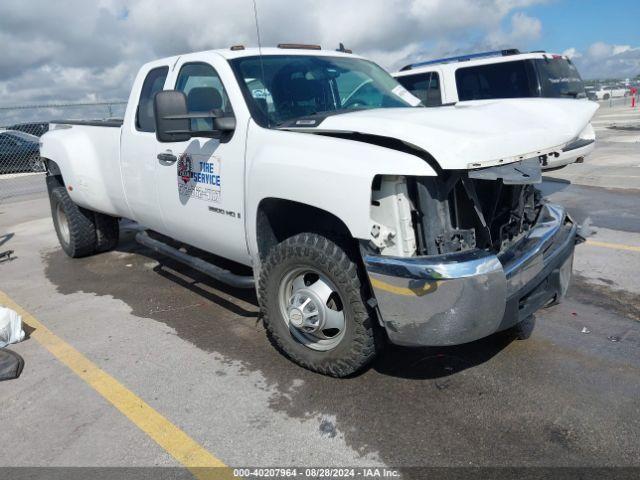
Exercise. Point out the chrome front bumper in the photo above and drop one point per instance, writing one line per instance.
(457, 298)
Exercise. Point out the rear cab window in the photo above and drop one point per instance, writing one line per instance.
(153, 83)
(425, 86)
(515, 79)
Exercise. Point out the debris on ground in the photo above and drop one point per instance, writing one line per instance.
(11, 365)
(10, 327)
(6, 255)
(614, 338)
(585, 330)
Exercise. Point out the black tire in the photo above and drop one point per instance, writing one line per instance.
(107, 232)
(606, 96)
(81, 239)
(361, 340)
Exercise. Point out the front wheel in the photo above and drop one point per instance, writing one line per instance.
(314, 306)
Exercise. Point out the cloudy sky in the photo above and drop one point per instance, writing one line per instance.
(89, 50)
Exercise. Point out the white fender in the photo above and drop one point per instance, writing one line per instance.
(328, 173)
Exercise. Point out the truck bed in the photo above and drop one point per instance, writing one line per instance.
(91, 150)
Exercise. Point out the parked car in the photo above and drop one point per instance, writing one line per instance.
(361, 217)
(605, 92)
(591, 93)
(19, 152)
(502, 74)
(37, 129)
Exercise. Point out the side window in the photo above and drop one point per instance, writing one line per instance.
(434, 97)
(425, 86)
(205, 92)
(152, 85)
(499, 80)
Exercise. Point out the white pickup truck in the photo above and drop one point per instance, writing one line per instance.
(364, 219)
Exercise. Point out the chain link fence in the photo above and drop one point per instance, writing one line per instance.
(21, 171)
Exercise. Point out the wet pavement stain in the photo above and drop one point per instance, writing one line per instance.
(623, 303)
(432, 406)
(327, 428)
(560, 435)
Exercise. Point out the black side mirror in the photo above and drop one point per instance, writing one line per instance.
(224, 124)
(173, 120)
(170, 113)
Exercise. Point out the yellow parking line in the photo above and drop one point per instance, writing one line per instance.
(176, 442)
(615, 246)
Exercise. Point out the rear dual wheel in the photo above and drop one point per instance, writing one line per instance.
(314, 306)
(81, 232)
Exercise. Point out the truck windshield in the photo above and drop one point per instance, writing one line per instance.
(282, 88)
(559, 78)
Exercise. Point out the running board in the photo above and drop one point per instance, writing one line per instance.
(220, 274)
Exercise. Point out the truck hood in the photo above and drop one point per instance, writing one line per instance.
(471, 134)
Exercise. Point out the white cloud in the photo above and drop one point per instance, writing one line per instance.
(572, 53)
(618, 49)
(602, 60)
(524, 29)
(599, 50)
(76, 50)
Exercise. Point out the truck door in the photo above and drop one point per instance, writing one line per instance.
(201, 181)
(139, 147)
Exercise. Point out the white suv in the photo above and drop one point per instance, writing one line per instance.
(497, 75)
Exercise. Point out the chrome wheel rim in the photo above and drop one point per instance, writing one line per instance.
(312, 309)
(63, 224)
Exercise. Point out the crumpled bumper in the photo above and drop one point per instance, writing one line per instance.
(457, 298)
(569, 156)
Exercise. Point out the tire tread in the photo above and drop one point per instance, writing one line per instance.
(81, 224)
(366, 341)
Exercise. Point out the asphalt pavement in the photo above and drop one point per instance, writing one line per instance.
(562, 390)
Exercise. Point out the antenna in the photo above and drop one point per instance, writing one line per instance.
(264, 85)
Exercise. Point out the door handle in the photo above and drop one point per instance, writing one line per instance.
(167, 158)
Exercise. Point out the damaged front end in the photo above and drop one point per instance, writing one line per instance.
(457, 257)
(488, 209)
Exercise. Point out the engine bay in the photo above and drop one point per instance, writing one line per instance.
(460, 210)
